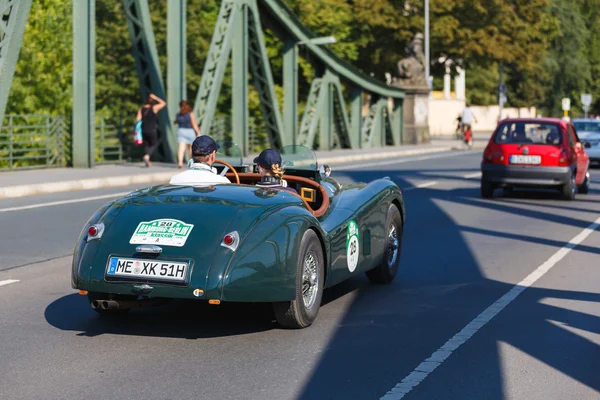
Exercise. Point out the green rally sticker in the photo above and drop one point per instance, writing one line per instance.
(168, 232)
(352, 245)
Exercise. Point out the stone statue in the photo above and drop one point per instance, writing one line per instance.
(411, 70)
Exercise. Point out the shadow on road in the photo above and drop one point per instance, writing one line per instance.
(177, 319)
(389, 330)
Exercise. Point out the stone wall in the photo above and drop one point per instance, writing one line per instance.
(443, 113)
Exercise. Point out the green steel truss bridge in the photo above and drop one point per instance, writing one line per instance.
(238, 36)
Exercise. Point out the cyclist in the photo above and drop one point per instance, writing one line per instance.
(467, 120)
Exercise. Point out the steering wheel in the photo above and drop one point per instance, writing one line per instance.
(228, 167)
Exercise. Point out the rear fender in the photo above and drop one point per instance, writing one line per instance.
(263, 268)
(85, 252)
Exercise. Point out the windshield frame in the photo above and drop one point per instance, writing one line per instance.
(298, 158)
(230, 153)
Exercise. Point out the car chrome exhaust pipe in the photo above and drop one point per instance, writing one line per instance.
(125, 304)
(109, 305)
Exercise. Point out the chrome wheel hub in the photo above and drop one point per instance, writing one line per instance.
(393, 246)
(310, 280)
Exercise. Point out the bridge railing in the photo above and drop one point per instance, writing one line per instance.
(33, 141)
(44, 141)
(112, 140)
(221, 129)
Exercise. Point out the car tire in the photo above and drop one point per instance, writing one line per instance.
(507, 190)
(568, 190)
(386, 271)
(584, 188)
(487, 189)
(94, 296)
(310, 276)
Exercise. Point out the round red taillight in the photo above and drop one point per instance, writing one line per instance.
(92, 231)
(228, 240)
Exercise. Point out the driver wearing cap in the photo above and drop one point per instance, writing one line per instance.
(201, 172)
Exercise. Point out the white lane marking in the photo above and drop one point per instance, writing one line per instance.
(436, 359)
(404, 160)
(56, 203)
(8, 282)
(354, 166)
(473, 175)
(420, 186)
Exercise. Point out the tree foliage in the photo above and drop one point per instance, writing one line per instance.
(550, 49)
(42, 81)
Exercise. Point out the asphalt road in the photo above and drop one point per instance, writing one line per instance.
(461, 255)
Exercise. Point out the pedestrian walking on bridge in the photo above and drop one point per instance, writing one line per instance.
(148, 114)
(186, 133)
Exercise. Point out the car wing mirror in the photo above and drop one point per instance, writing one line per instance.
(325, 171)
(587, 145)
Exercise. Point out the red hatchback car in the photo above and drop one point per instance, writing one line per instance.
(541, 152)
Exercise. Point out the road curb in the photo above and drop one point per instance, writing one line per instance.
(387, 154)
(83, 184)
(116, 181)
(474, 147)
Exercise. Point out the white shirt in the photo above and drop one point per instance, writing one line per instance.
(467, 116)
(198, 174)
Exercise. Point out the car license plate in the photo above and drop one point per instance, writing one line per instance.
(147, 269)
(525, 159)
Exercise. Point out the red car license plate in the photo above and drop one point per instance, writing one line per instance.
(518, 159)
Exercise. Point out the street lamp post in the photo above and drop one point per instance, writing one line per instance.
(427, 63)
(501, 91)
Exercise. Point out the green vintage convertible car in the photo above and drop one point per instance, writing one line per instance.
(239, 242)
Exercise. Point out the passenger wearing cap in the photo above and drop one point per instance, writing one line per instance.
(269, 168)
(201, 172)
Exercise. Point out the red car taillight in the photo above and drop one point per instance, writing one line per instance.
(492, 157)
(563, 159)
(95, 231)
(92, 231)
(487, 155)
(231, 240)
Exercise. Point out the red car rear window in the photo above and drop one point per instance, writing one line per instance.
(528, 132)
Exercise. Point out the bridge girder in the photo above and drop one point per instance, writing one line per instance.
(13, 18)
(137, 14)
(239, 28)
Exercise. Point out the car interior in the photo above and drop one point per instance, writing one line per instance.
(306, 182)
(520, 133)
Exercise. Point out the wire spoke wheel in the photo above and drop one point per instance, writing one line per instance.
(393, 246)
(386, 271)
(302, 311)
(310, 280)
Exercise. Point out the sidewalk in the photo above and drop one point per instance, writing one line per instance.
(53, 180)
(480, 140)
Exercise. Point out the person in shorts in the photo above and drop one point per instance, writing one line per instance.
(187, 131)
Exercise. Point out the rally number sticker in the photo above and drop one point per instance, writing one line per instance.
(352, 245)
(166, 232)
